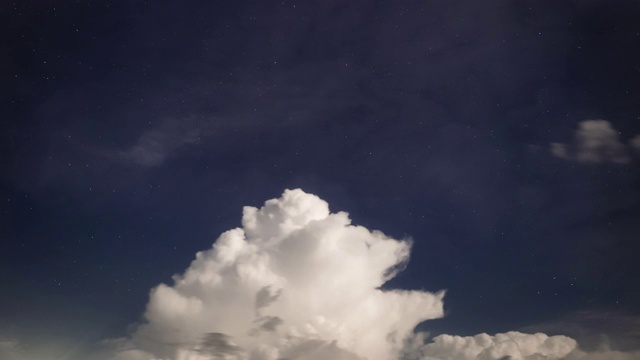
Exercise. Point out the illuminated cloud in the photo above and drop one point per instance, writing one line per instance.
(511, 345)
(298, 282)
(595, 141)
(295, 282)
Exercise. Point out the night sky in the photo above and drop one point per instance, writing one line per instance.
(502, 137)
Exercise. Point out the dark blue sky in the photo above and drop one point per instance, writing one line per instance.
(134, 132)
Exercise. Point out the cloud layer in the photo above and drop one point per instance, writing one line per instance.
(298, 282)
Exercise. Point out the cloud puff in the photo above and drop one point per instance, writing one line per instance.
(295, 282)
(595, 141)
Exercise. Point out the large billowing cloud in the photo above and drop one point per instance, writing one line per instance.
(298, 282)
(295, 282)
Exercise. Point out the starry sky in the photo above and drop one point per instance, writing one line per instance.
(501, 136)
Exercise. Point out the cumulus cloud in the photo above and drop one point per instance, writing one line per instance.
(299, 282)
(604, 355)
(511, 345)
(595, 141)
(295, 282)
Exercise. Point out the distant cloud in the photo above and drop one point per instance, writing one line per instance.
(218, 345)
(299, 282)
(511, 345)
(595, 141)
(159, 142)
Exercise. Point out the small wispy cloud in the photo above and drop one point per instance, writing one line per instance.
(155, 145)
(596, 142)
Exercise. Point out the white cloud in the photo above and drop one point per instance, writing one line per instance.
(298, 282)
(511, 345)
(595, 141)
